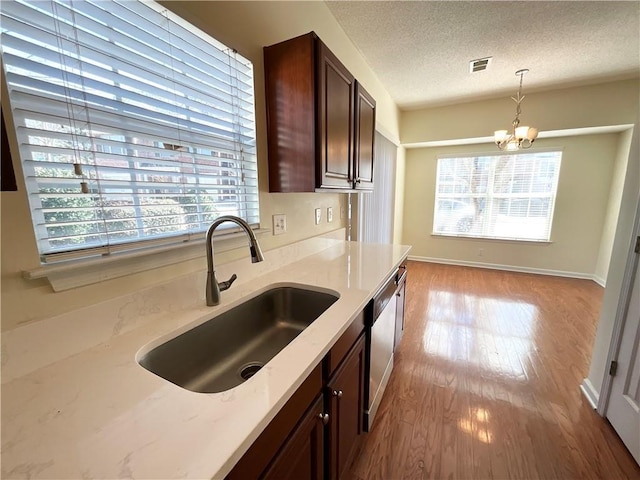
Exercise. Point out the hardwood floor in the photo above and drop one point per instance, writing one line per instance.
(486, 383)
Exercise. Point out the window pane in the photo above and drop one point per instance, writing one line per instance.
(503, 196)
(133, 124)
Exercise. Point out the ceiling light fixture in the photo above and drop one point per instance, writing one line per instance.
(520, 137)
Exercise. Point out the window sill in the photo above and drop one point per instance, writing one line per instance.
(499, 240)
(78, 273)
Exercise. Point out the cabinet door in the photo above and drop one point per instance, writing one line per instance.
(346, 400)
(365, 126)
(335, 121)
(290, 94)
(302, 456)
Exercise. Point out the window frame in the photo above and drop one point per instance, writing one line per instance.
(163, 242)
(490, 197)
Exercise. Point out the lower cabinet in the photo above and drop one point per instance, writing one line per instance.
(316, 433)
(345, 394)
(302, 455)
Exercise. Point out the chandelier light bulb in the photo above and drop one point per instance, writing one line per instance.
(501, 135)
(522, 132)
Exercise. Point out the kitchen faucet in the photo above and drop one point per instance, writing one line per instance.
(213, 287)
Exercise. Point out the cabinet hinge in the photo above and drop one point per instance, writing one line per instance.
(613, 368)
(637, 245)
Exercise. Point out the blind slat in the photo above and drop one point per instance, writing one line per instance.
(111, 84)
(130, 139)
(126, 126)
(120, 105)
(106, 66)
(94, 35)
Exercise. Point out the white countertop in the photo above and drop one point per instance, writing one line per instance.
(88, 410)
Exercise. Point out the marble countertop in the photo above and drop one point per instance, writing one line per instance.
(76, 404)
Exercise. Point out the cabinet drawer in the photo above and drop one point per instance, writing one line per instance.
(343, 345)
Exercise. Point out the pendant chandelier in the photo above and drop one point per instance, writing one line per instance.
(520, 137)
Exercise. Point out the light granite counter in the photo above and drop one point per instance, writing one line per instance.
(76, 404)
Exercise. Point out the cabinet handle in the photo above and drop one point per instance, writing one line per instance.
(337, 393)
(324, 417)
(398, 294)
(358, 180)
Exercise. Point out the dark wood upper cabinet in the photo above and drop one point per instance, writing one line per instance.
(335, 121)
(312, 119)
(364, 138)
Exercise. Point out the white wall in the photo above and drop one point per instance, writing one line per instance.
(581, 203)
(603, 104)
(621, 249)
(613, 207)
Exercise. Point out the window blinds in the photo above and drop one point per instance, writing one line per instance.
(132, 124)
(375, 209)
(508, 196)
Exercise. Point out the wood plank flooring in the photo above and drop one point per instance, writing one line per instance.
(486, 383)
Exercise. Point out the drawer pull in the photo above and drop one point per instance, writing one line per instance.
(324, 417)
(337, 393)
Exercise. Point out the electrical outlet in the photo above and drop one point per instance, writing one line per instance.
(329, 214)
(318, 216)
(481, 252)
(279, 224)
(341, 212)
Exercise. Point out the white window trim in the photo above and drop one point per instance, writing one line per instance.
(493, 239)
(87, 271)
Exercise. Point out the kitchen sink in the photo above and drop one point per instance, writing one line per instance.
(225, 351)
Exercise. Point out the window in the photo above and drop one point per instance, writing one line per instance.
(134, 127)
(509, 196)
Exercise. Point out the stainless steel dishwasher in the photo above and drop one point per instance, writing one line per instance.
(381, 321)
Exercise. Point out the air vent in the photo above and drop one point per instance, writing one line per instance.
(479, 64)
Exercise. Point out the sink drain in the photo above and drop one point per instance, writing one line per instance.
(250, 369)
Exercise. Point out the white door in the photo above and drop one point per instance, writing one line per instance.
(624, 402)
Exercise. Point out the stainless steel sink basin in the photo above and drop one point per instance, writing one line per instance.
(228, 349)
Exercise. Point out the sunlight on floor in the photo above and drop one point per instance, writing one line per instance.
(490, 333)
(477, 424)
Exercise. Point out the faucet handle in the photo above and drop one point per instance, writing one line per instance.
(227, 285)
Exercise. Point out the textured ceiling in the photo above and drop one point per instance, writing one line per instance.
(421, 50)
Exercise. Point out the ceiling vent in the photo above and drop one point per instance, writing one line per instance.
(479, 64)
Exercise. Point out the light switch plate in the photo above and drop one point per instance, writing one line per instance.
(318, 216)
(279, 224)
(329, 214)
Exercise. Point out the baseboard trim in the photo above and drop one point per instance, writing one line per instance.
(600, 281)
(508, 268)
(590, 393)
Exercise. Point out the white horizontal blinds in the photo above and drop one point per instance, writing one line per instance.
(509, 196)
(155, 117)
